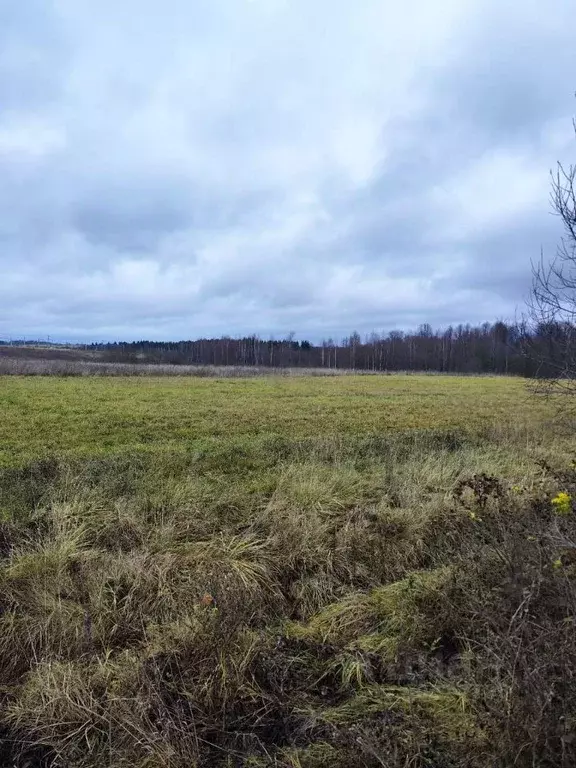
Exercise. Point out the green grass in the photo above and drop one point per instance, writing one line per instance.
(285, 573)
(96, 416)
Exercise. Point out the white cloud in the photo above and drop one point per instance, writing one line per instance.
(494, 190)
(29, 138)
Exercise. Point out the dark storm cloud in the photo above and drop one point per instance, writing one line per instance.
(241, 166)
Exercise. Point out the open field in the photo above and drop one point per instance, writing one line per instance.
(95, 416)
(286, 573)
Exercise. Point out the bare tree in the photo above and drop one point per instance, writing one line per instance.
(552, 303)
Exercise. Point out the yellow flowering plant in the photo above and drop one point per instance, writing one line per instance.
(562, 503)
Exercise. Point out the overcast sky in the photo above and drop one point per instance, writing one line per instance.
(196, 167)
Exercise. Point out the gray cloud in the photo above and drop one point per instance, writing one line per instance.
(33, 56)
(264, 166)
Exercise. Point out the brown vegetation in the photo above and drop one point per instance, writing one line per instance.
(298, 605)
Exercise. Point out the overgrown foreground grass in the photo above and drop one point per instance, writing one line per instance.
(305, 595)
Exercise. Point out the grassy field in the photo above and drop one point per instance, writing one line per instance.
(286, 573)
(95, 416)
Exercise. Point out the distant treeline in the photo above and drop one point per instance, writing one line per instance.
(489, 348)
